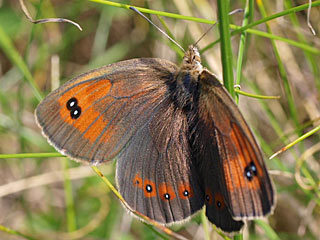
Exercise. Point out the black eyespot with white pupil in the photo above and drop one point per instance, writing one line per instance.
(250, 171)
(75, 112)
(218, 204)
(148, 188)
(72, 102)
(208, 198)
(186, 193)
(166, 196)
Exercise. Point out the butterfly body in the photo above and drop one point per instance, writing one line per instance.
(179, 139)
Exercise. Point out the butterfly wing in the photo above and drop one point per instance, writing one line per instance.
(161, 180)
(239, 173)
(125, 110)
(93, 116)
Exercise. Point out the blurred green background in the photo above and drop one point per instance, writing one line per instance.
(41, 198)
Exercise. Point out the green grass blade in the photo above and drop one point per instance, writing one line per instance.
(304, 136)
(16, 233)
(255, 95)
(226, 51)
(161, 13)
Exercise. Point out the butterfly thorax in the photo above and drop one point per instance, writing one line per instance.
(185, 90)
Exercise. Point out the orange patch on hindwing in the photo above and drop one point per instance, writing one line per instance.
(219, 201)
(185, 191)
(208, 196)
(137, 181)
(149, 188)
(85, 94)
(166, 192)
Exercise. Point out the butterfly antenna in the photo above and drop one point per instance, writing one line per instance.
(195, 44)
(231, 13)
(163, 32)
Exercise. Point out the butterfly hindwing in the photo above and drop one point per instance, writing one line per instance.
(161, 180)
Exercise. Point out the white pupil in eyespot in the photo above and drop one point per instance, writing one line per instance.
(148, 188)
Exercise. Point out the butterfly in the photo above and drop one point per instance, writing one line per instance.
(180, 140)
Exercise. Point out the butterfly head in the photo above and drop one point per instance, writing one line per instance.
(192, 60)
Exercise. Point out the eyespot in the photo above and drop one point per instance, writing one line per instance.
(137, 181)
(72, 102)
(250, 171)
(166, 196)
(166, 192)
(254, 168)
(149, 188)
(219, 202)
(75, 112)
(185, 191)
(208, 197)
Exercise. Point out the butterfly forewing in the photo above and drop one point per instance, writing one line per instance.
(93, 116)
(245, 184)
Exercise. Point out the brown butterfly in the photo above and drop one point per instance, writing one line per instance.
(179, 139)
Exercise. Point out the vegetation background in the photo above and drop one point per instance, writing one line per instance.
(55, 198)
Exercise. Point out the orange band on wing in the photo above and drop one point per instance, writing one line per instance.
(231, 172)
(86, 94)
(234, 167)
